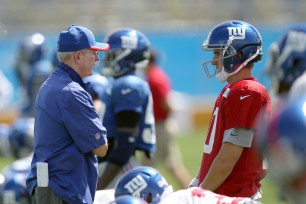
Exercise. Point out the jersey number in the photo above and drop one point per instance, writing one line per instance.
(208, 147)
(148, 133)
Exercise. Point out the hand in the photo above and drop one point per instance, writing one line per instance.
(149, 155)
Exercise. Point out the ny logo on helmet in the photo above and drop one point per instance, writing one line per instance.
(236, 32)
(136, 185)
(129, 42)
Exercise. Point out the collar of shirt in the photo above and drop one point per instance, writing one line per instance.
(74, 75)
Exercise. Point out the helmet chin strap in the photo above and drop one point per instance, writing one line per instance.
(223, 75)
(142, 64)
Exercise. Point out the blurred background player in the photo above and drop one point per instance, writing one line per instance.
(32, 68)
(287, 60)
(21, 137)
(6, 91)
(230, 163)
(298, 87)
(283, 142)
(13, 187)
(168, 152)
(148, 184)
(54, 59)
(5, 150)
(98, 84)
(129, 118)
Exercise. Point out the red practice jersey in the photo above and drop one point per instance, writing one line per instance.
(238, 105)
(160, 86)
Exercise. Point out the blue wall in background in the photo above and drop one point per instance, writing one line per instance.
(180, 56)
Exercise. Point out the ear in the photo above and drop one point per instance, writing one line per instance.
(149, 198)
(239, 54)
(76, 57)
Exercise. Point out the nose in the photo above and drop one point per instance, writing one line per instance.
(96, 57)
(214, 62)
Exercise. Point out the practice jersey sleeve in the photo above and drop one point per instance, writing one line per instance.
(243, 104)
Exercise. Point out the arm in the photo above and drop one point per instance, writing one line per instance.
(108, 175)
(100, 151)
(234, 141)
(128, 122)
(222, 166)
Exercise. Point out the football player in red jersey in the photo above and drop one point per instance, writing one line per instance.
(231, 165)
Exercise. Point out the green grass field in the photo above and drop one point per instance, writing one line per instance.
(191, 147)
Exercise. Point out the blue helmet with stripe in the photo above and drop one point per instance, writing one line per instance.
(143, 182)
(129, 50)
(287, 59)
(239, 44)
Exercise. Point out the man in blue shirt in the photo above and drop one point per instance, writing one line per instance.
(68, 132)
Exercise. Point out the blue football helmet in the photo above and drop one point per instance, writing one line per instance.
(238, 43)
(143, 182)
(32, 48)
(13, 182)
(129, 50)
(128, 199)
(287, 59)
(21, 137)
(282, 140)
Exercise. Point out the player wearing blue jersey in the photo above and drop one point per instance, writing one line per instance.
(98, 84)
(32, 68)
(282, 140)
(129, 118)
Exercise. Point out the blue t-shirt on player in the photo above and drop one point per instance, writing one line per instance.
(131, 93)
